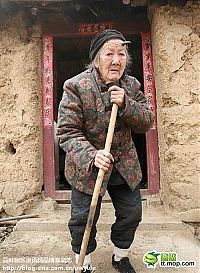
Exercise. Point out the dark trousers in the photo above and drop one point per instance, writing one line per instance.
(128, 212)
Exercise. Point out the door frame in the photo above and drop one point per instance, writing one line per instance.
(48, 121)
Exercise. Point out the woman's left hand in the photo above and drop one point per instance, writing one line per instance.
(117, 95)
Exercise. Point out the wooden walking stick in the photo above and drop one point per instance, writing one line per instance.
(97, 188)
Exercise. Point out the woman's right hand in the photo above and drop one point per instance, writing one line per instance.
(103, 160)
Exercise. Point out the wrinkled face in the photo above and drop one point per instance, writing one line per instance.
(112, 60)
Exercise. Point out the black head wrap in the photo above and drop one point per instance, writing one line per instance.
(101, 38)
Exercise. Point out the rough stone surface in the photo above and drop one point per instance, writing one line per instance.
(191, 216)
(21, 113)
(198, 233)
(49, 206)
(15, 209)
(176, 49)
(1, 204)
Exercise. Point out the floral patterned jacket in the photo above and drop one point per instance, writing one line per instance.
(83, 118)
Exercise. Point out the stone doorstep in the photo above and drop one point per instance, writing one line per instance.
(46, 226)
(153, 219)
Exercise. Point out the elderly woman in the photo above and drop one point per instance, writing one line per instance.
(84, 114)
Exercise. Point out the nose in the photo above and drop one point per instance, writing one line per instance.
(115, 59)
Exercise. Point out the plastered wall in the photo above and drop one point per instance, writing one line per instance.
(176, 53)
(20, 115)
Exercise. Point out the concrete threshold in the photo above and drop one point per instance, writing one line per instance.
(153, 219)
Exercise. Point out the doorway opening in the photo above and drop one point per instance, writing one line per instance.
(71, 58)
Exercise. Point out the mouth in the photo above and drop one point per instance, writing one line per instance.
(114, 70)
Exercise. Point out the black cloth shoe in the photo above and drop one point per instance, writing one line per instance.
(85, 271)
(123, 266)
